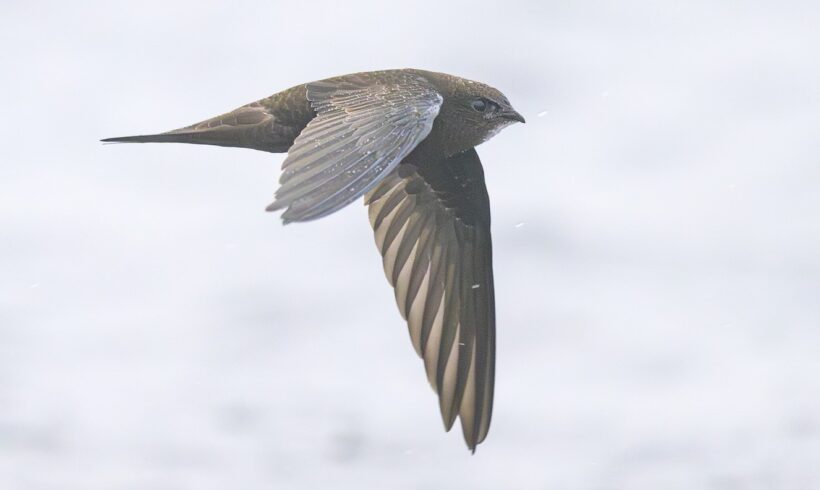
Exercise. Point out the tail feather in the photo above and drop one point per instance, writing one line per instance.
(156, 138)
(260, 136)
(270, 124)
(250, 126)
(256, 136)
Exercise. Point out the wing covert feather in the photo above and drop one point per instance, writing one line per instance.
(363, 128)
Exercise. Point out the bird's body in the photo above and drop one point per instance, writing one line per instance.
(405, 140)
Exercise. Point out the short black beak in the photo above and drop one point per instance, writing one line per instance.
(513, 116)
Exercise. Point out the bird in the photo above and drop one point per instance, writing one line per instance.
(404, 139)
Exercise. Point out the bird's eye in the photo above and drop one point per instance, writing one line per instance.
(479, 105)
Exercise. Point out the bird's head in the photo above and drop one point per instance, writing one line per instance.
(473, 113)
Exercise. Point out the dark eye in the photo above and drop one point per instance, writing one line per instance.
(479, 105)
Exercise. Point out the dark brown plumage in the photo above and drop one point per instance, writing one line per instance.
(405, 140)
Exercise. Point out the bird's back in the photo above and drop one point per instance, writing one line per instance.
(273, 123)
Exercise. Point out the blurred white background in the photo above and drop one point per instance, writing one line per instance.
(657, 238)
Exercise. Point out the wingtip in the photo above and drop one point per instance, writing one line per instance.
(449, 420)
(472, 445)
(275, 206)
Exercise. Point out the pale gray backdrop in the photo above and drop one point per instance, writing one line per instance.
(656, 251)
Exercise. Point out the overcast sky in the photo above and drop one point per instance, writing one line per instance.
(656, 233)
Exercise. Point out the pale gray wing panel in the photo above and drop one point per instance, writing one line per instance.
(362, 130)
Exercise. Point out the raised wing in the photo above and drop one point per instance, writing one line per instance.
(363, 128)
(432, 226)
